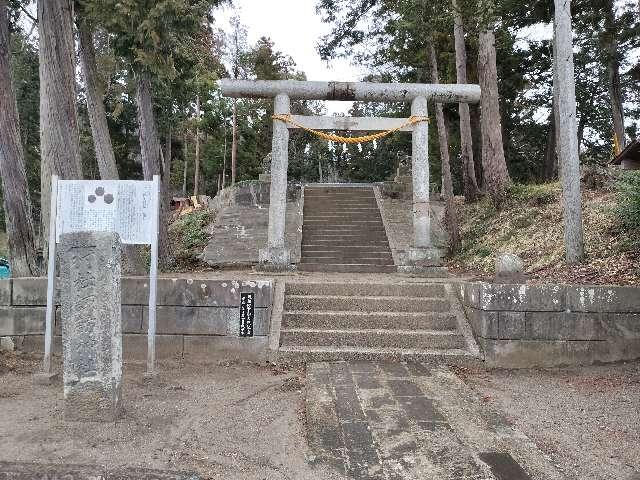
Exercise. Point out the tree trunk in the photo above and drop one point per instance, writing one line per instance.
(234, 142)
(59, 138)
(95, 107)
(224, 157)
(196, 178)
(568, 155)
(613, 69)
(451, 214)
(550, 164)
(471, 191)
(582, 124)
(100, 130)
(166, 168)
(186, 165)
(494, 165)
(15, 191)
(476, 135)
(150, 152)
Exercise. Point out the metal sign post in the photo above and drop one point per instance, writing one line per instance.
(127, 207)
(153, 279)
(51, 281)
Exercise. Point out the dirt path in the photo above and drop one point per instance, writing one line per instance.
(232, 422)
(586, 419)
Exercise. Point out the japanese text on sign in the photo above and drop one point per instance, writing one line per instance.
(247, 314)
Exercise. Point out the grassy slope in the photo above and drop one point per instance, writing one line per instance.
(531, 226)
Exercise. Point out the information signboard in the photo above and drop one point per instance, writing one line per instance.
(127, 207)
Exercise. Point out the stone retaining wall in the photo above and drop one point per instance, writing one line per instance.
(240, 229)
(194, 317)
(520, 326)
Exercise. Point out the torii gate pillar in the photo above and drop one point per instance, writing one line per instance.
(276, 254)
(422, 252)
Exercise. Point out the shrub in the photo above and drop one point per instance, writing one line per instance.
(535, 195)
(191, 229)
(628, 209)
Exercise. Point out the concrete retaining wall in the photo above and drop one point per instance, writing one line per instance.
(521, 326)
(198, 318)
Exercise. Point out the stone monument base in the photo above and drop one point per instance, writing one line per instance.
(265, 177)
(92, 401)
(424, 257)
(275, 257)
(425, 272)
(43, 378)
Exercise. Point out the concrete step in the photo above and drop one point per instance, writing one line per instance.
(339, 200)
(332, 246)
(347, 247)
(412, 339)
(347, 261)
(346, 208)
(367, 320)
(341, 203)
(367, 193)
(432, 290)
(339, 216)
(345, 230)
(346, 237)
(349, 255)
(346, 268)
(344, 303)
(306, 354)
(344, 251)
(343, 222)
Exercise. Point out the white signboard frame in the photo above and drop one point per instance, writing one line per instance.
(98, 206)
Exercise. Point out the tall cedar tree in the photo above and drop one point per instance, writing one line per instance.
(17, 200)
(564, 86)
(59, 139)
(99, 127)
(494, 165)
(470, 182)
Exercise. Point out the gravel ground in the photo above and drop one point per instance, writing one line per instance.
(586, 419)
(231, 421)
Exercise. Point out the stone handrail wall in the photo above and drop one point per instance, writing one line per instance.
(520, 326)
(237, 242)
(194, 317)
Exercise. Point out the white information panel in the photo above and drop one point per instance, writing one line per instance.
(128, 207)
(125, 207)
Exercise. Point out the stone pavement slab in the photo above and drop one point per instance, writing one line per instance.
(29, 471)
(407, 420)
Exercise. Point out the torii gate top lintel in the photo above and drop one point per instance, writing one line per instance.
(351, 91)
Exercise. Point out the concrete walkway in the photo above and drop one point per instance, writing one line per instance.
(402, 421)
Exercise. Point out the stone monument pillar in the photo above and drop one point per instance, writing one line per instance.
(265, 176)
(276, 255)
(91, 325)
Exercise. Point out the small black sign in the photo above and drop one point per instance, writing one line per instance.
(247, 314)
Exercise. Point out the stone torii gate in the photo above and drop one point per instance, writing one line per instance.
(275, 255)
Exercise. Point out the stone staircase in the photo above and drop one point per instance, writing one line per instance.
(343, 231)
(373, 321)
